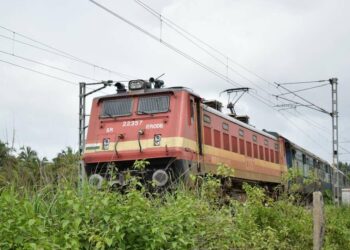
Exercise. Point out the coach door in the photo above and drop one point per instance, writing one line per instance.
(196, 109)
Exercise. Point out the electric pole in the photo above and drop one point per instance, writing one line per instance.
(82, 119)
(335, 139)
(334, 114)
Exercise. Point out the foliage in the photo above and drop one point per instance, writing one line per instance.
(140, 164)
(29, 171)
(224, 170)
(62, 217)
(337, 235)
(41, 208)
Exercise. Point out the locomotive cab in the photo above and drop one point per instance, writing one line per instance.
(154, 124)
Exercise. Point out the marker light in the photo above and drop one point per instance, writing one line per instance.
(105, 144)
(157, 139)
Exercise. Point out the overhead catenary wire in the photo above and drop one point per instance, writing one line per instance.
(43, 73)
(313, 106)
(47, 65)
(192, 39)
(185, 55)
(302, 98)
(306, 134)
(178, 29)
(180, 52)
(290, 83)
(304, 89)
(321, 128)
(58, 52)
(227, 58)
(39, 72)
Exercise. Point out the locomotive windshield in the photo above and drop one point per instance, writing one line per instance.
(117, 107)
(153, 104)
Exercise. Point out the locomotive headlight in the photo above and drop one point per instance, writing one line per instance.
(136, 84)
(157, 139)
(105, 144)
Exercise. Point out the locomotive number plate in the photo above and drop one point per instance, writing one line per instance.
(154, 126)
(132, 123)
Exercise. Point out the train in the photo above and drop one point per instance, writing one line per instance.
(180, 133)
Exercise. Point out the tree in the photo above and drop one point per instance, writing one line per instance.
(28, 155)
(4, 153)
(65, 164)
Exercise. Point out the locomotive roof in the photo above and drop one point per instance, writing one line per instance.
(149, 92)
(180, 88)
(247, 126)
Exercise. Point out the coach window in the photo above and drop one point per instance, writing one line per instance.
(191, 111)
(261, 152)
(217, 138)
(249, 148)
(267, 158)
(225, 126)
(266, 142)
(277, 155)
(255, 150)
(272, 155)
(207, 135)
(304, 159)
(226, 141)
(234, 144)
(241, 133)
(206, 119)
(241, 147)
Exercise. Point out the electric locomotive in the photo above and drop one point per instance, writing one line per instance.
(179, 133)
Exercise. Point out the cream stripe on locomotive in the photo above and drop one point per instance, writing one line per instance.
(180, 142)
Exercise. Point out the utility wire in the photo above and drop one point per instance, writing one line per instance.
(47, 65)
(302, 98)
(172, 47)
(172, 24)
(185, 34)
(168, 21)
(44, 74)
(315, 107)
(189, 58)
(300, 90)
(316, 125)
(178, 29)
(39, 72)
(52, 50)
(306, 134)
(289, 83)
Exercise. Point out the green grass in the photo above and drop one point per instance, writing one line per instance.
(42, 208)
(61, 217)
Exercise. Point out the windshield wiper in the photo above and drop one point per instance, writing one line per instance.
(145, 113)
(109, 115)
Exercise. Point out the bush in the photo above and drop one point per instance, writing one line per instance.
(42, 208)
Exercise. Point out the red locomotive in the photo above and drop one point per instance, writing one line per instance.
(179, 133)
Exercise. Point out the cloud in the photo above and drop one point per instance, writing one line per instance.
(279, 40)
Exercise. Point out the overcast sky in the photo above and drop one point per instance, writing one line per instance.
(280, 41)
